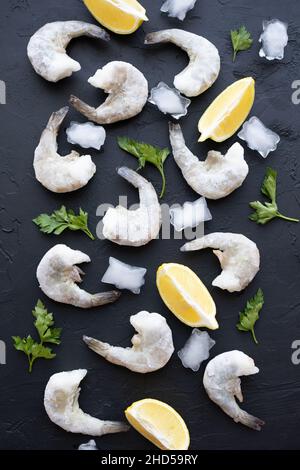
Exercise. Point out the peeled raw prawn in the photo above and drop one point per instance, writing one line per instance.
(56, 173)
(222, 384)
(47, 47)
(204, 64)
(128, 93)
(134, 227)
(57, 274)
(61, 405)
(239, 258)
(217, 176)
(151, 348)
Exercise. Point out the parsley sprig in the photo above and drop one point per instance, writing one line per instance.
(47, 334)
(264, 212)
(241, 40)
(63, 219)
(250, 315)
(146, 153)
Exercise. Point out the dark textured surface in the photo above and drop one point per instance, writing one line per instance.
(274, 393)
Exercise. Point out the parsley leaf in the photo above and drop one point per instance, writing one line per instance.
(250, 315)
(241, 40)
(63, 219)
(264, 212)
(43, 323)
(146, 153)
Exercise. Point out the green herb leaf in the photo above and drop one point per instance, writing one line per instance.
(146, 153)
(33, 349)
(241, 40)
(43, 322)
(250, 315)
(264, 212)
(268, 187)
(63, 219)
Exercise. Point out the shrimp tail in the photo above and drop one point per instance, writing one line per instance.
(157, 37)
(93, 31)
(56, 119)
(104, 298)
(97, 346)
(249, 420)
(111, 427)
(131, 176)
(83, 108)
(176, 136)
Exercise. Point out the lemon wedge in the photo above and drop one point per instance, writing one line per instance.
(159, 423)
(119, 16)
(186, 296)
(228, 111)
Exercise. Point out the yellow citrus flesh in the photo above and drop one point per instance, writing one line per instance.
(228, 111)
(159, 423)
(186, 296)
(119, 16)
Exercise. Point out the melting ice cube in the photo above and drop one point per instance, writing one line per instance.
(196, 349)
(91, 445)
(259, 137)
(191, 214)
(87, 135)
(169, 100)
(274, 38)
(124, 276)
(177, 8)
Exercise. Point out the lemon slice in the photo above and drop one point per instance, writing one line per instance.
(119, 16)
(159, 423)
(186, 296)
(228, 111)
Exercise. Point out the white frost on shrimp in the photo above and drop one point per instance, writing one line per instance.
(128, 93)
(216, 177)
(204, 60)
(56, 173)
(61, 405)
(239, 258)
(57, 275)
(152, 346)
(222, 384)
(47, 47)
(134, 227)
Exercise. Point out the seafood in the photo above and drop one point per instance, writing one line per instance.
(57, 275)
(222, 384)
(239, 258)
(56, 173)
(134, 227)
(128, 93)
(61, 405)
(151, 349)
(47, 47)
(217, 176)
(204, 60)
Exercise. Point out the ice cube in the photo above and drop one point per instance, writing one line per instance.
(177, 8)
(87, 135)
(196, 349)
(91, 445)
(274, 38)
(169, 100)
(124, 276)
(191, 214)
(259, 137)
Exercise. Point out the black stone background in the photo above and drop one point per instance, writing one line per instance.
(274, 393)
